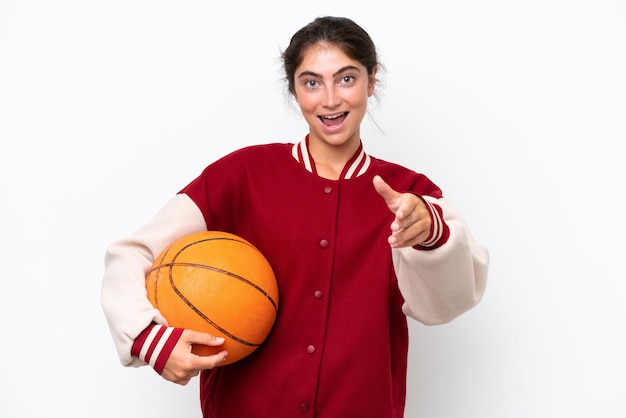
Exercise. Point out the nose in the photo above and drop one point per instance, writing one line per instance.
(331, 98)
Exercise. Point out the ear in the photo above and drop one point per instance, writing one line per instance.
(294, 97)
(372, 82)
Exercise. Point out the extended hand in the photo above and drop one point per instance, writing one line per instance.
(412, 223)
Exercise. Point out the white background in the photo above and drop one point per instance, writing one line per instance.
(516, 109)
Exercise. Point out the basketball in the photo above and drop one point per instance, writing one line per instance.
(218, 283)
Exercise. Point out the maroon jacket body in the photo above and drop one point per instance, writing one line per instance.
(339, 345)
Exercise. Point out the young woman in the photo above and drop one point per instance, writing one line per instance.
(357, 245)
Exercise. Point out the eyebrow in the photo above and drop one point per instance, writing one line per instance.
(341, 70)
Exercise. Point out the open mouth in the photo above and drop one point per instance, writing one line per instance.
(333, 120)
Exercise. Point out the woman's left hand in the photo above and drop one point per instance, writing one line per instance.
(412, 222)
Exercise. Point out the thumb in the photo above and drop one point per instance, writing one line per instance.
(385, 190)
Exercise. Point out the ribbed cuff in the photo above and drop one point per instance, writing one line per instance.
(439, 231)
(155, 344)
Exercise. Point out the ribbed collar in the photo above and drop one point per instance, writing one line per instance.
(356, 165)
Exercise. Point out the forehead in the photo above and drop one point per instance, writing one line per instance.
(321, 58)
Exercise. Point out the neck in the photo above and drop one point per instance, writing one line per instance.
(331, 159)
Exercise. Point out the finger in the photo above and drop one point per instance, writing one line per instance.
(385, 190)
(181, 371)
(415, 227)
(410, 236)
(211, 361)
(405, 213)
(203, 338)
(186, 379)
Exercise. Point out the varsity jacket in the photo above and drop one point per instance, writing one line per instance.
(339, 345)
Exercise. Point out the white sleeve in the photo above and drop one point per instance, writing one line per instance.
(440, 284)
(123, 294)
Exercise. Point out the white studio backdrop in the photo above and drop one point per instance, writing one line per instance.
(515, 109)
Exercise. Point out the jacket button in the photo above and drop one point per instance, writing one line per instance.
(310, 349)
(304, 407)
(324, 243)
(328, 189)
(318, 294)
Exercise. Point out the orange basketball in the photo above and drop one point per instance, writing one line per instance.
(218, 283)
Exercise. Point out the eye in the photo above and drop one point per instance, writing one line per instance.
(347, 80)
(311, 84)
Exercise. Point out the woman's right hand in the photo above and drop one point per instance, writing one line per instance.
(182, 365)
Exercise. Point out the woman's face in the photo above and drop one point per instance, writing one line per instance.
(332, 91)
